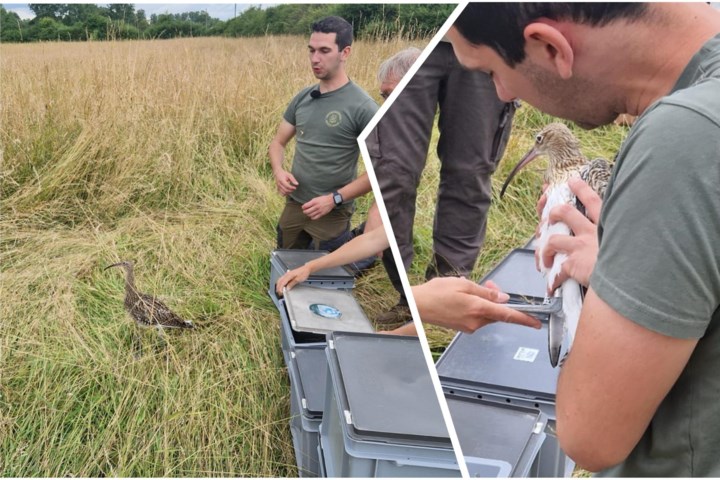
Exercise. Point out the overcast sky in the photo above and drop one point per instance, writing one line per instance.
(223, 11)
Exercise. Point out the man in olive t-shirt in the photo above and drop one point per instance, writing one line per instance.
(639, 395)
(326, 120)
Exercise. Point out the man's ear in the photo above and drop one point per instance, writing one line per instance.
(345, 53)
(549, 47)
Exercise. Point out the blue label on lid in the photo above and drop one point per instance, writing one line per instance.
(325, 310)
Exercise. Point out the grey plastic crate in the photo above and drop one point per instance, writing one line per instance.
(502, 360)
(382, 417)
(307, 370)
(304, 442)
(321, 457)
(291, 340)
(281, 261)
(498, 440)
(510, 363)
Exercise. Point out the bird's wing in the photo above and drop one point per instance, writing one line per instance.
(163, 315)
(596, 173)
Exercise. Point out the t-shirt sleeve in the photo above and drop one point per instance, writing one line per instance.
(658, 263)
(366, 112)
(289, 114)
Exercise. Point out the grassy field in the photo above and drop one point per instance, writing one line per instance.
(154, 152)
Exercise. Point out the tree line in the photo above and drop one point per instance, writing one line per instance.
(83, 22)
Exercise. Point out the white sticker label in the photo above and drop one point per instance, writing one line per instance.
(526, 354)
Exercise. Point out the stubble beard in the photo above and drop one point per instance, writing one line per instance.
(583, 101)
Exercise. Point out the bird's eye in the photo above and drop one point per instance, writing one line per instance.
(539, 139)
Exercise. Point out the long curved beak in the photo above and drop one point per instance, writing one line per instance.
(113, 265)
(529, 157)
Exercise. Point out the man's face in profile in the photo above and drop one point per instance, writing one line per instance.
(584, 101)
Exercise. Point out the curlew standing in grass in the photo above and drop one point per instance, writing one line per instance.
(565, 161)
(147, 311)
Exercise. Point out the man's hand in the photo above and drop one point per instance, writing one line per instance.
(285, 182)
(581, 248)
(463, 305)
(319, 206)
(292, 278)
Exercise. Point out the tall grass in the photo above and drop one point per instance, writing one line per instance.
(153, 151)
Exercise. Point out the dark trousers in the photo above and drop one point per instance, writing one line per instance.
(474, 127)
(298, 230)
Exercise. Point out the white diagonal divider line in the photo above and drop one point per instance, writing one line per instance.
(391, 235)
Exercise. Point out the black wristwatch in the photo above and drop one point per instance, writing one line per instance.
(337, 198)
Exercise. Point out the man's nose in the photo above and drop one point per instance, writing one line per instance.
(503, 94)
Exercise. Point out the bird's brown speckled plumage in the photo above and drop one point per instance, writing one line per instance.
(146, 310)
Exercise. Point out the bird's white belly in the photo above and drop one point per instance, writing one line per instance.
(569, 290)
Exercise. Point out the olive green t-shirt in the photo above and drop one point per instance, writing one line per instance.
(326, 131)
(659, 262)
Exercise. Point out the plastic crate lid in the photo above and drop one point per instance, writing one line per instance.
(291, 259)
(516, 274)
(322, 310)
(501, 358)
(387, 389)
(508, 433)
(312, 373)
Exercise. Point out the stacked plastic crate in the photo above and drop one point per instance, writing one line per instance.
(362, 403)
(304, 352)
(500, 385)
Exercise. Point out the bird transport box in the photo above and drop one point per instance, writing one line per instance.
(282, 261)
(382, 417)
(307, 369)
(509, 363)
(497, 440)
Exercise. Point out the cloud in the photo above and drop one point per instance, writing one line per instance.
(21, 9)
(222, 11)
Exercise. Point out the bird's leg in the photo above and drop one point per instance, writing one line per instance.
(136, 343)
(161, 336)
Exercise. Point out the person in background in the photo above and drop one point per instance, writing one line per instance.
(474, 126)
(325, 120)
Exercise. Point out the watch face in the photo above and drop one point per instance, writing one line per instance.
(337, 198)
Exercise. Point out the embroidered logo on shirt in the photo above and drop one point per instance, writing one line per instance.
(333, 119)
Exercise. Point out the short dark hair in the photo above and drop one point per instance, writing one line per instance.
(500, 26)
(339, 26)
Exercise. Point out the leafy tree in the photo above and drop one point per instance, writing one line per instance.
(79, 12)
(370, 19)
(11, 27)
(122, 11)
(250, 23)
(47, 29)
(141, 21)
(51, 10)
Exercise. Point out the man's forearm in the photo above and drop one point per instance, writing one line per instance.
(357, 188)
(356, 249)
(276, 152)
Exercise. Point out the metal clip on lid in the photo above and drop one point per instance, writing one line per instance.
(550, 306)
